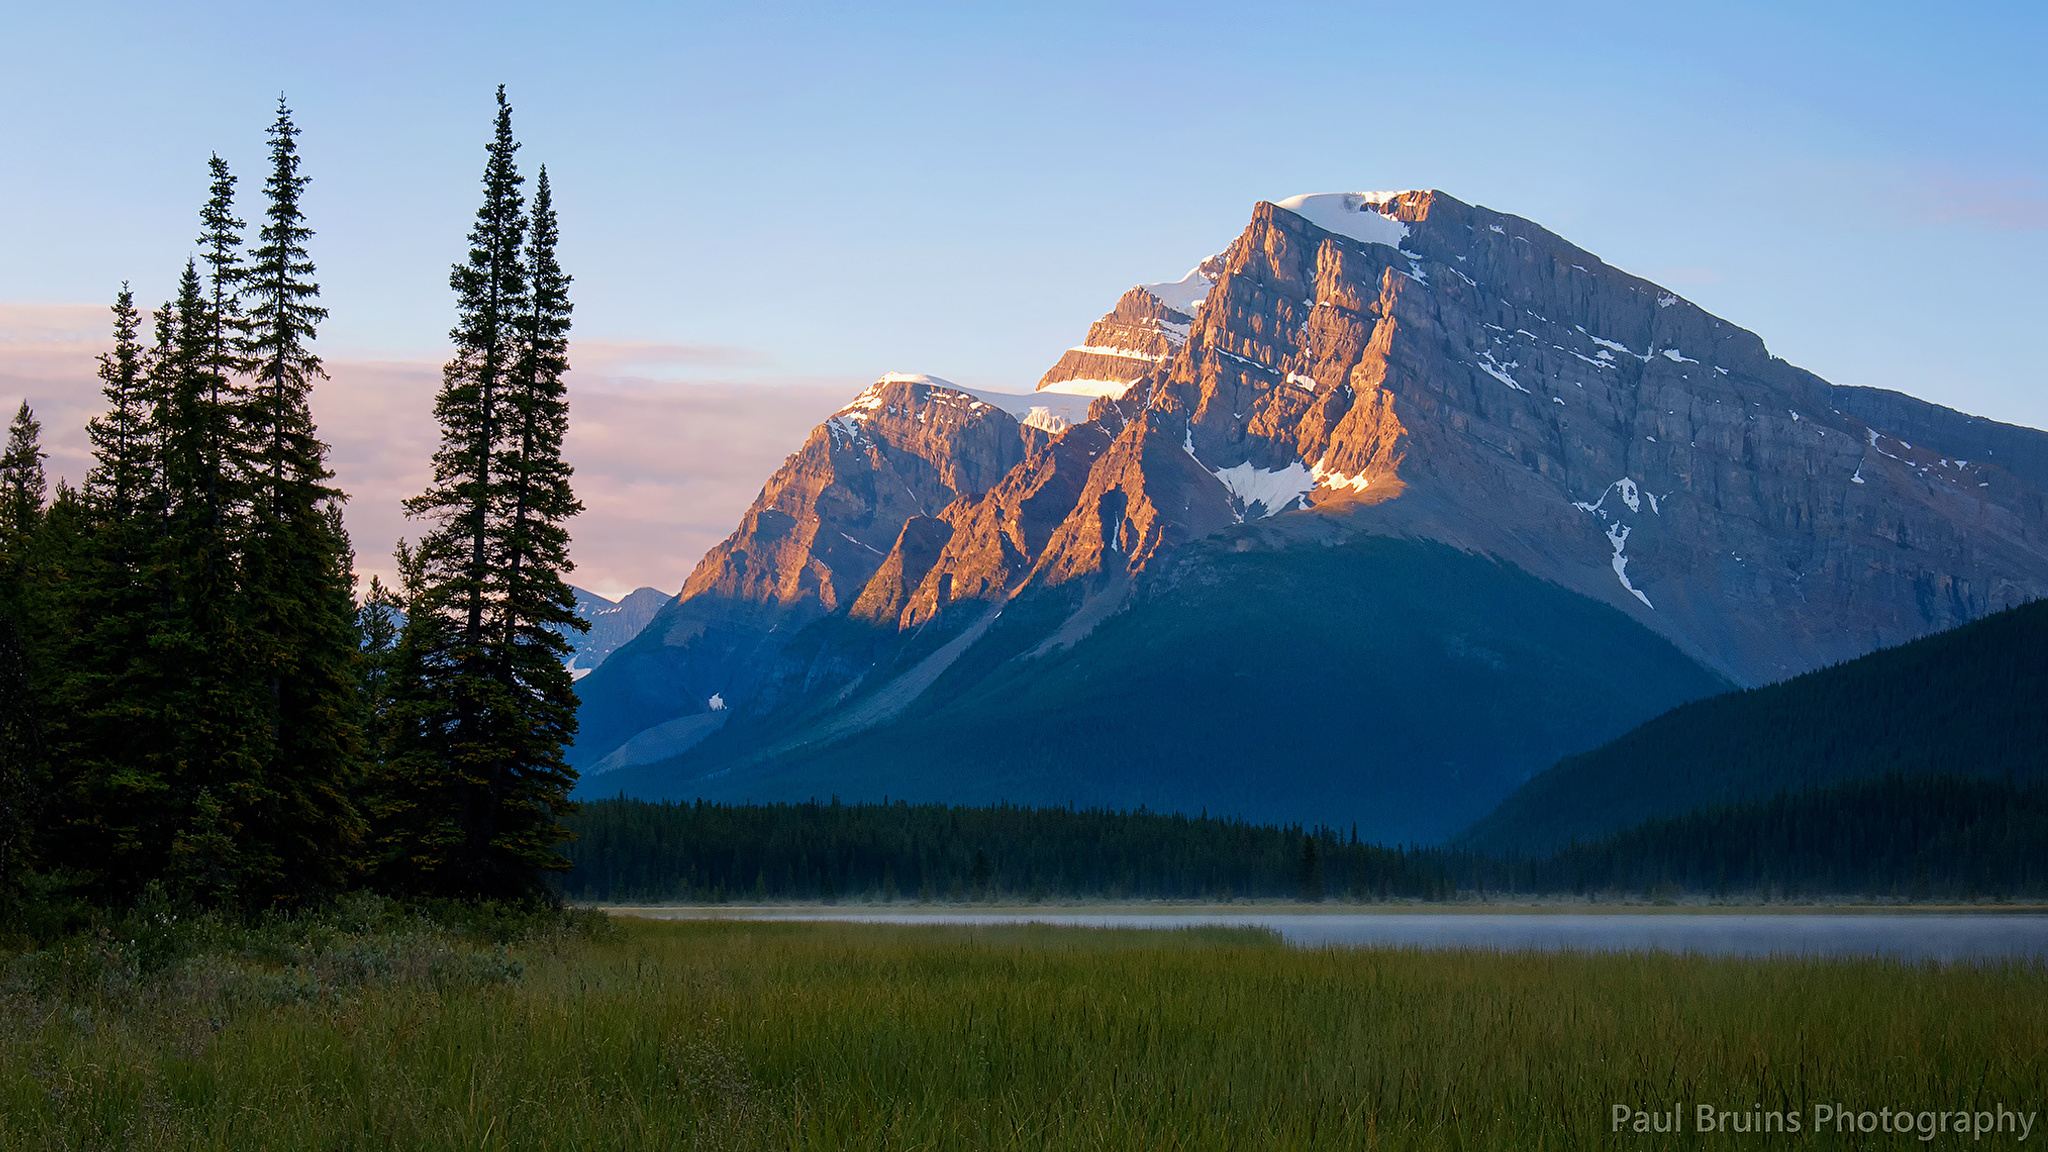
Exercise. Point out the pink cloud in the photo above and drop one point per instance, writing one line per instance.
(664, 467)
(615, 357)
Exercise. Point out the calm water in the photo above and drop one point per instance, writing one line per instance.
(1928, 936)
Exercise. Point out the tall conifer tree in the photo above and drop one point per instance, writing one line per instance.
(220, 330)
(22, 484)
(538, 603)
(123, 476)
(111, 768)
(477, 774)
(220, 740)
(297, 578)
(21, 512)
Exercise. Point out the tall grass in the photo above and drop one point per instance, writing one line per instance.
(811, 1036)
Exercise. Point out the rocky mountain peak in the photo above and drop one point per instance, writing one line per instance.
(1397, 365)
(1148, 325)
(1410, 364)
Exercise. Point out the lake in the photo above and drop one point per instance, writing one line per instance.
(1938, 936)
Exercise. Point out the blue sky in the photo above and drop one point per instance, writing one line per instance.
(812, 194)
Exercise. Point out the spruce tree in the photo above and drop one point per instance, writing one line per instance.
(123, 477)
(110, 776)
(538, 604)
(297, 578)
(211, 705)
(22, 484)
(482, 705)
(379, 621)
(21, 513)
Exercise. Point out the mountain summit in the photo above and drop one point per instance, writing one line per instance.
(1377, 512)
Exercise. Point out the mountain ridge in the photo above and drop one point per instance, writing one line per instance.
(1966, 703)
(1478, 382)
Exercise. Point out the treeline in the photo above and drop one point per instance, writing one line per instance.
(1895, 838)
(629, 851)
(192, 696)
(1918, 838)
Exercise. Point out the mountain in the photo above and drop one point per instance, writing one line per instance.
(1971, 702)
(1256, 683)
(1278, 470)
(612, 624)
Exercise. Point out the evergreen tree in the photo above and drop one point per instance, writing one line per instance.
(483, 706)
(22, 485)
(220, 249)
(211, 703)
(1309, 871)
(110, 773)
(538, 604)
(21, 514)
(297, 581)
(123, 477)
(379, 621)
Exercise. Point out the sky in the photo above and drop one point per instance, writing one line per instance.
(767, 205)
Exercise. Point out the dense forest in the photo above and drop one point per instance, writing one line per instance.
(1918, 838)
(194, 700)
(1925, 837)
(632, 850)
(1969, 702)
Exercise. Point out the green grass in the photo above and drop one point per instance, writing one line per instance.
(678, 1035)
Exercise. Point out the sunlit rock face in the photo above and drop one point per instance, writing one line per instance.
(1397, 365)
(1479, 381)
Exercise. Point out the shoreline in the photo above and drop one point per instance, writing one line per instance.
(911, 910)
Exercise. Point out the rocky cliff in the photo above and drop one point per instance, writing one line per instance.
(1147, 326)
(1438, 370)
(612, 624)
(908, 446)
(1397, 365)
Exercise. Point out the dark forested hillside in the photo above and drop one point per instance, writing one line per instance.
(631, 850)
(1919, 838)
(1971, 702)
(1893, 838)
(1402, 685)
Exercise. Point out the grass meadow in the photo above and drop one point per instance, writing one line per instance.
(386, 1033)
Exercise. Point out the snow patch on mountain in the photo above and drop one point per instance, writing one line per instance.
(1105, 350)
(1617, 535)
(1612, 345)
(1273, 491)
(1054, 409)
(1054, 413)
(1616, 532)
(1185, 294)
(1114, 389)
(1353, 214)
(1499, 371)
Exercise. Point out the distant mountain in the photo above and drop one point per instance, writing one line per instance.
(612, 624)
(1971, 702)
(1252, 682)
(1326, 461)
